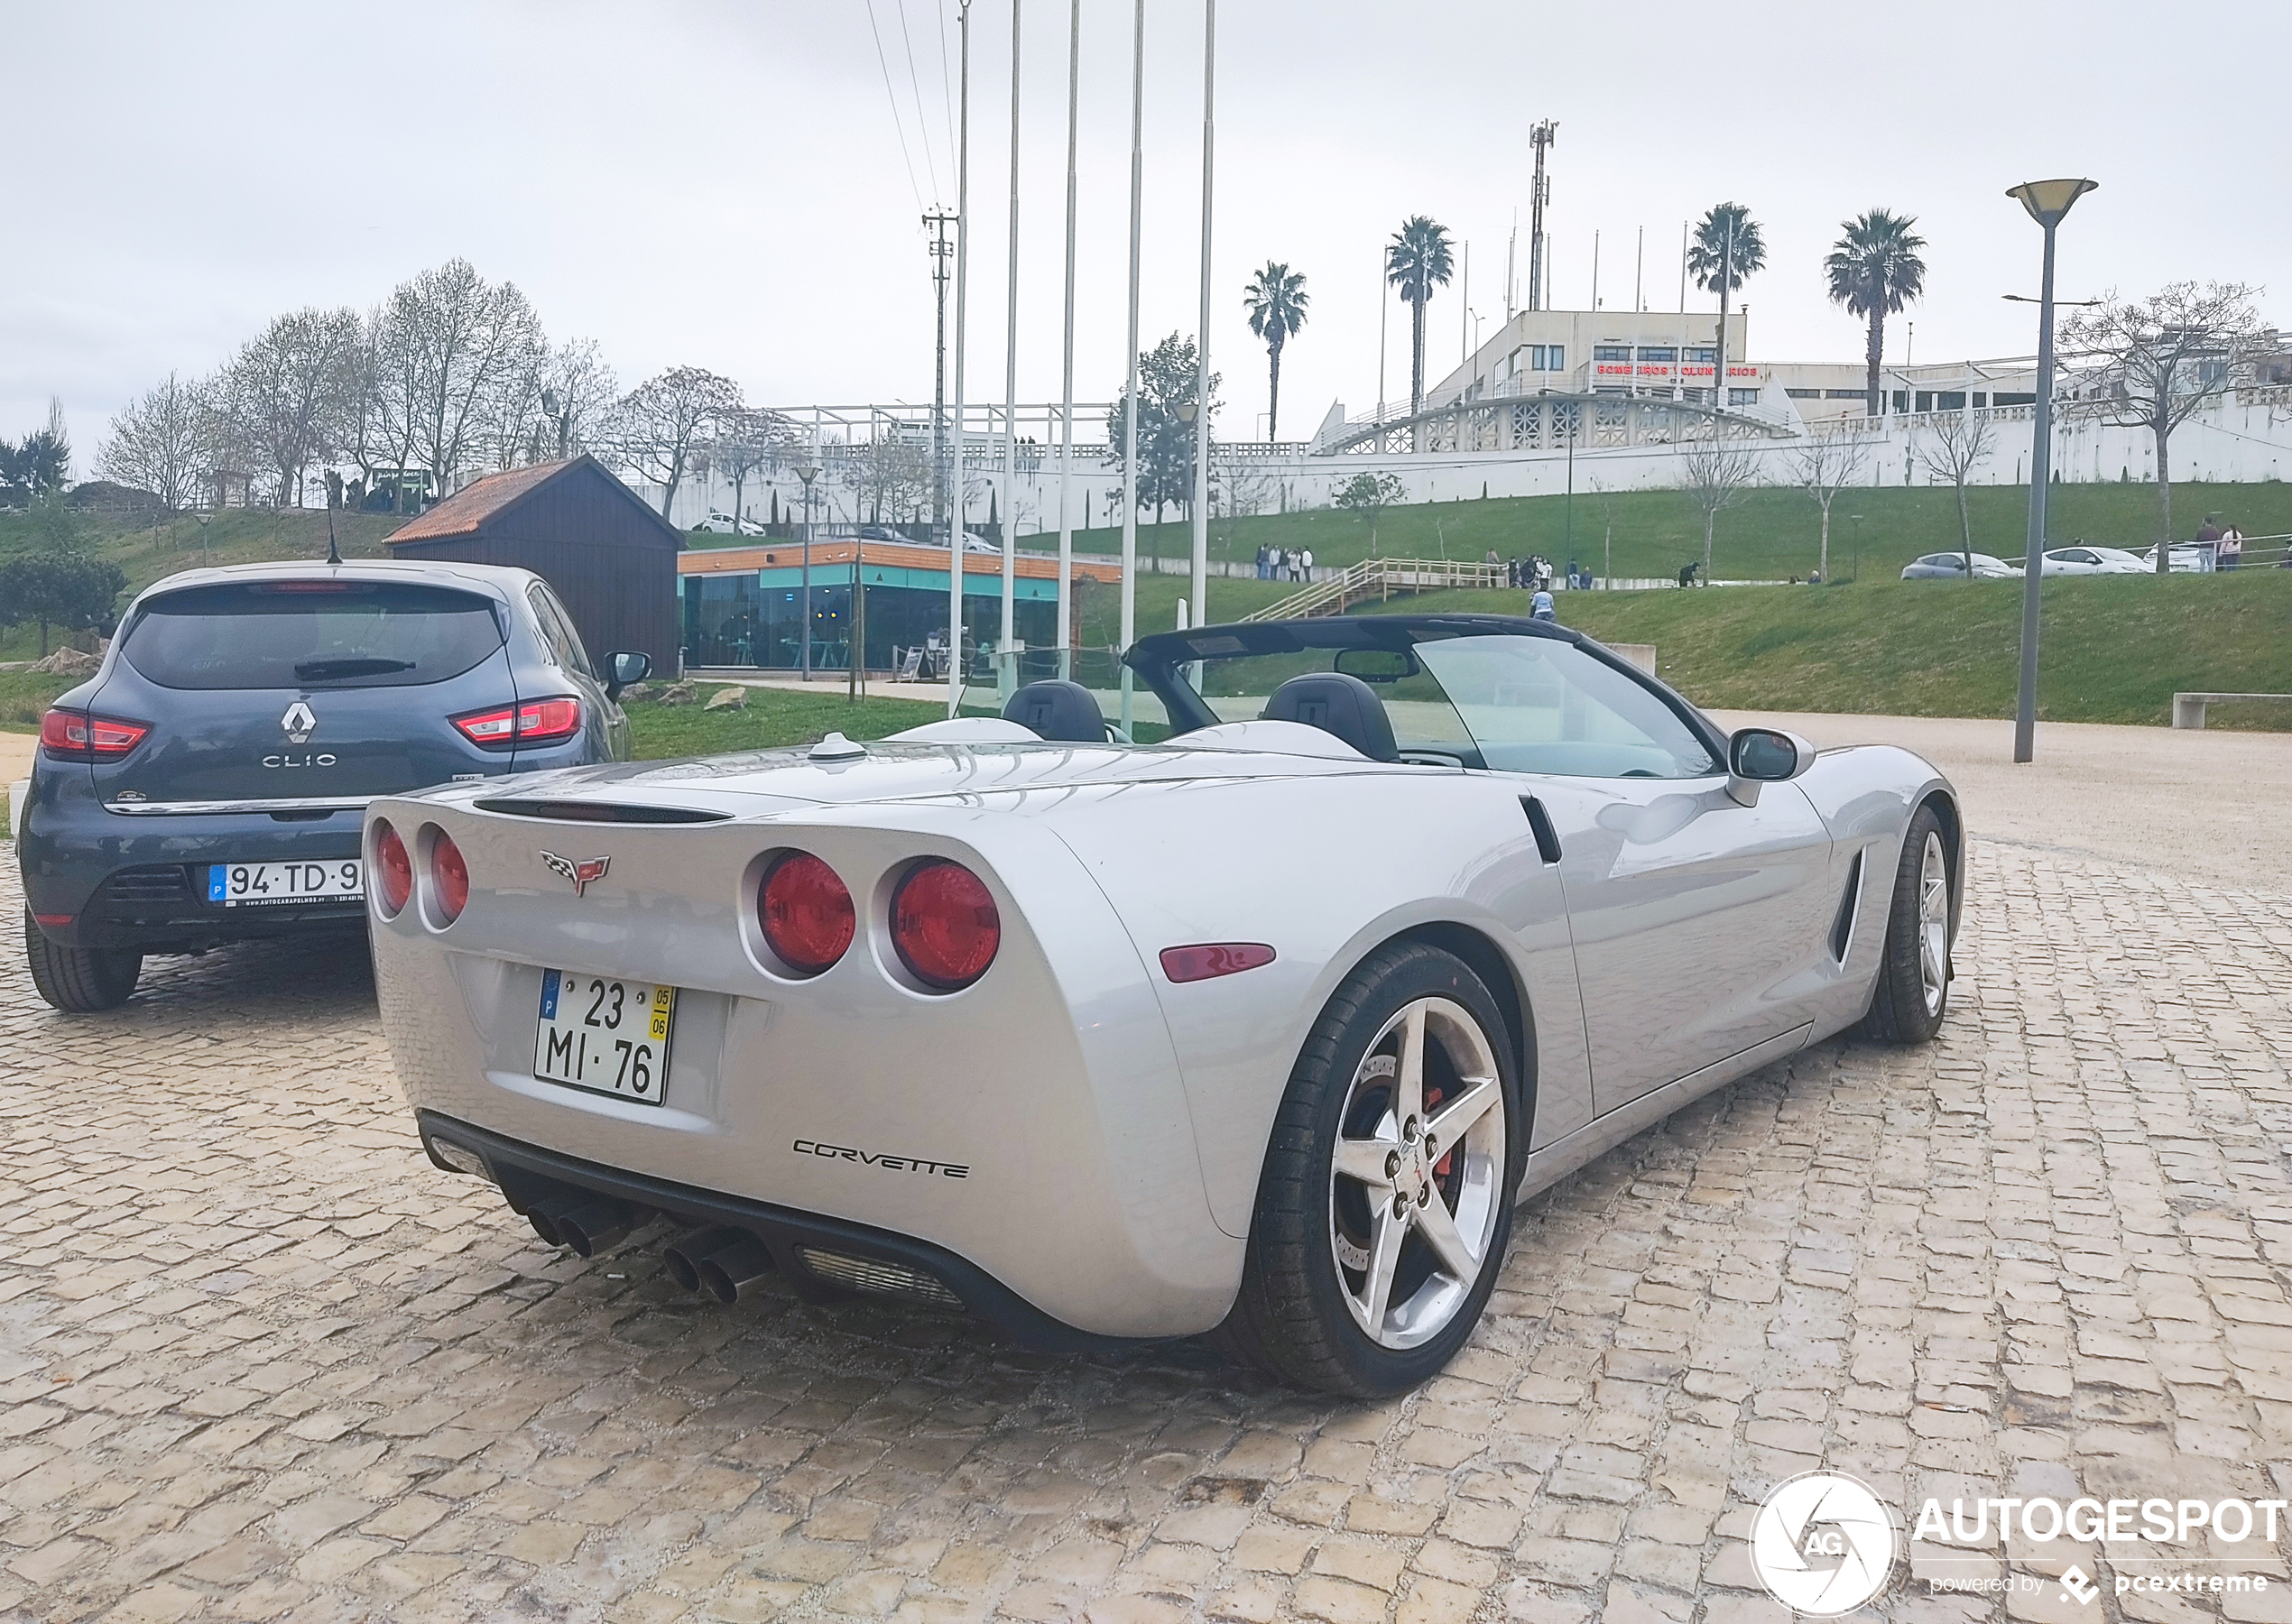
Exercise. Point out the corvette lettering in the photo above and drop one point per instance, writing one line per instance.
(893, 1164)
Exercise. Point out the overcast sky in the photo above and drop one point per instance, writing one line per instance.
(724, 184)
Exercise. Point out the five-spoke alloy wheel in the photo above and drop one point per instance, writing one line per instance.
(1386, 1198)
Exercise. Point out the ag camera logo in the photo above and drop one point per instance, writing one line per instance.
(1823, 1544)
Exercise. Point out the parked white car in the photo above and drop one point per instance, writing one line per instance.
(2188, 559)
(724, 524)
(1951, 567)
(2083, 561)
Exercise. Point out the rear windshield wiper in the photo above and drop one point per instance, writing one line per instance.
(322, 670)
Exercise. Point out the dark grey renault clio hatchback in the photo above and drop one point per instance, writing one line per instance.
(206, 784)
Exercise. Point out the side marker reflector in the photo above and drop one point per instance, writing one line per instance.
(1203, 960)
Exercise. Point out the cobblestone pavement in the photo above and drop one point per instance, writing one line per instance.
(259, 1359)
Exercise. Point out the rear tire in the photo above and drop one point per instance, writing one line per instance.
(1386, 1203)
(1913, 991)
(79, 981)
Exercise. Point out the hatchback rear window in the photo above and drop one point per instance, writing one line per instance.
(310, 635)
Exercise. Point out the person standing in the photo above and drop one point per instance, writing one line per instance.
(2231, 546)
(1305, 564)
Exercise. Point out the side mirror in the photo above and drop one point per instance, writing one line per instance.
(1764, 755)
(624, 668)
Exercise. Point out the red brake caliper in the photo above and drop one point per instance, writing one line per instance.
(1433, 1097)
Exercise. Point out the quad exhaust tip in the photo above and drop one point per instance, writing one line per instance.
(732, 1269)
(685, 1254)
(587, 1224)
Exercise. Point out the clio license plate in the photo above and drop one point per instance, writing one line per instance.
(269, 884)
(609, 1036)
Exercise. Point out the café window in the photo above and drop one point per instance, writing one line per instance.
(1742, 397)
(1611, 352)
(1705, 353)
(1659, 352)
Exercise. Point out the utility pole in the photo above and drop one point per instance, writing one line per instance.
(962, 287)
(1006, 666)
(1540, 193)
(1202, 339)
(942, 251)
(1130, 359)
(1064, 641)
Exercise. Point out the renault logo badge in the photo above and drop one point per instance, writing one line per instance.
(299, 723)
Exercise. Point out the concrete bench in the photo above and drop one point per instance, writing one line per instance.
(2188, 709)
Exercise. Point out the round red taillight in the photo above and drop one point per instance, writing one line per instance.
(944, 925)
(806, 912)
(394, 870)
(449, 876)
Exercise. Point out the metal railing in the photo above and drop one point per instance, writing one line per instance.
(1381, 578)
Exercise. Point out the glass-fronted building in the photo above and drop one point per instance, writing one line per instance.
(743, 606)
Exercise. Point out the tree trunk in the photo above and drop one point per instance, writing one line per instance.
(1273, 399)
(2165, 498)
(43, 640)
(1874, 354)
(1416, 356)
(1823, 568)
(1965, 535)
(1710, 517)
(669, 490)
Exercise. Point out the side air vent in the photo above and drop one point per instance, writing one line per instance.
(558, 811)
(876, 1275)
(1841, 930)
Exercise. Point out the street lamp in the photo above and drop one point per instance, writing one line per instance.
(559, 412)
(807, 471)
(2048, 202)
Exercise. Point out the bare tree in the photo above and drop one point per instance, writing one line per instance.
(160, 444)
(581, 381)
(1953, 445)
(1718, 474)
(451, 346)
(747, 441)
(284, 394)
(660, 423)
(1824, 464)
(2153, 362)
(891, 473)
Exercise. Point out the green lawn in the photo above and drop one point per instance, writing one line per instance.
(773, 717)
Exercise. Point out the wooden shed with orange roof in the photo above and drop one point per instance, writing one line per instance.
(607, 555)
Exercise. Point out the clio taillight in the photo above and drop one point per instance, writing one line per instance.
(77, 736)
(529, 722)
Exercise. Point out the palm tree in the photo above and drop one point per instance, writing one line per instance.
(1728, 248)
(1875, 270)
(1416, 262)
(1276, 298)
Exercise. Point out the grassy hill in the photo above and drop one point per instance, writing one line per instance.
(2114, 649)
(1774, 534)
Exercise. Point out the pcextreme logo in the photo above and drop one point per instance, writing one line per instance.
(1823, 1544)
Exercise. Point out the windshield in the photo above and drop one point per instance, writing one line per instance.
(1513, 703)
(306, 634)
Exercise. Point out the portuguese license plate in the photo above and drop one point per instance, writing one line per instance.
(270, 884)
(609, 1036)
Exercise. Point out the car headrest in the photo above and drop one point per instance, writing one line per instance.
(1339, 704)
(1057, 710)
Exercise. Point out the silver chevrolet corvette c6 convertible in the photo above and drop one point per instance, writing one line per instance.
(1261, 1031)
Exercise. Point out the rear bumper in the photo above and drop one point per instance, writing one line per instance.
(526, 1172)
(96, 879)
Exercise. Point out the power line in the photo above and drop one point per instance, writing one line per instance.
(892, 97)
(915, 88)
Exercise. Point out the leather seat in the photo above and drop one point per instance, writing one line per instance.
(1059, 711)
(1342, 705)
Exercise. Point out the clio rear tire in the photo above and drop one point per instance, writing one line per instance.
(79, 981)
